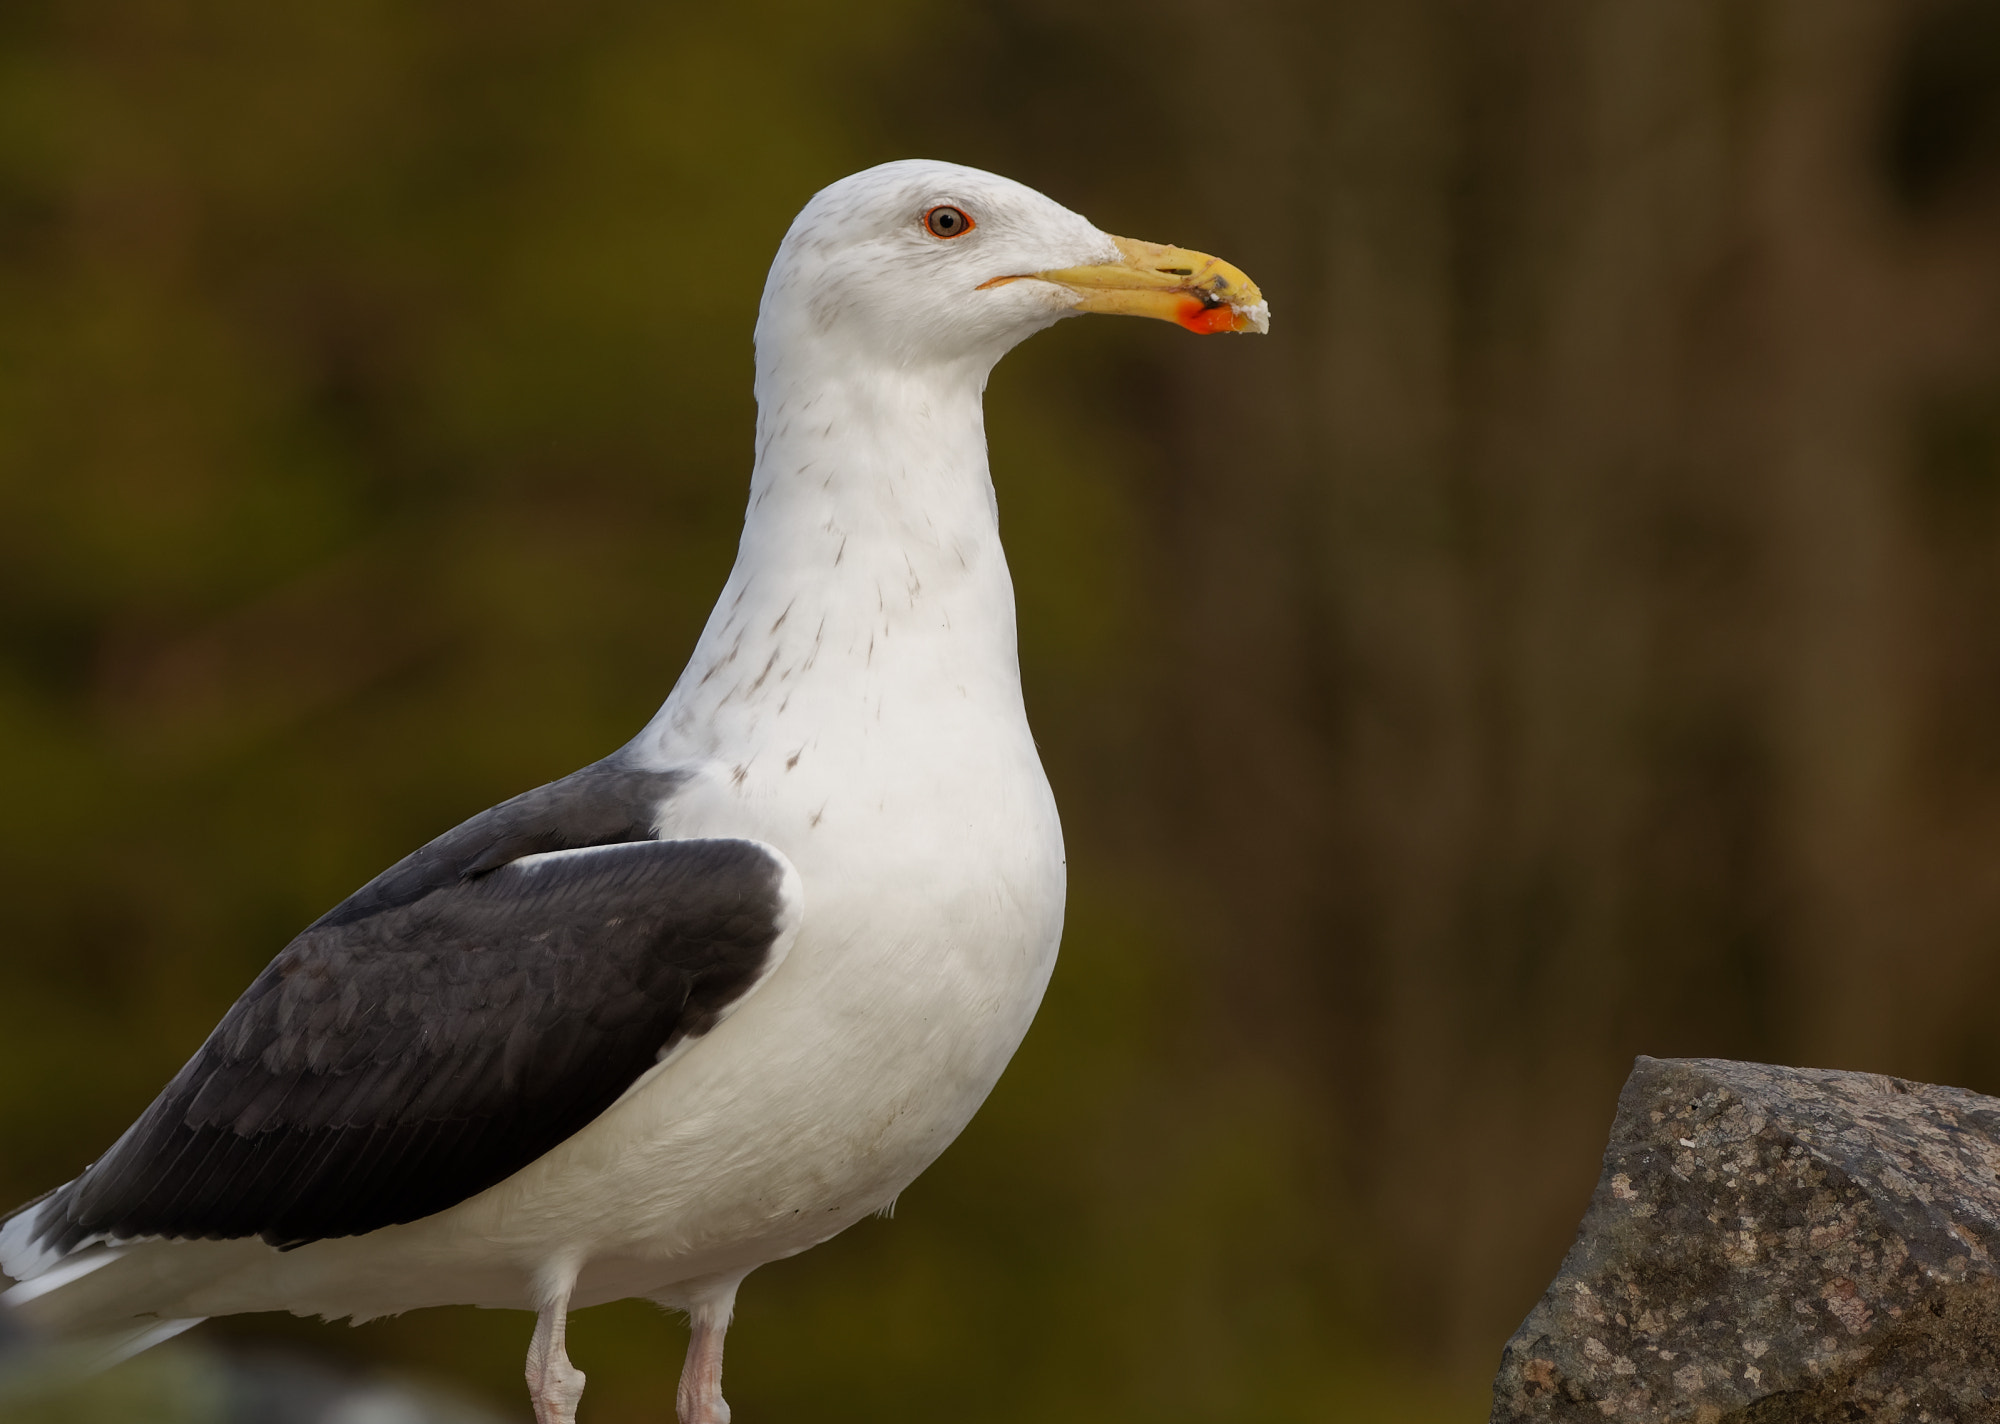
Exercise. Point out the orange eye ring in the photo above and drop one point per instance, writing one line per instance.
(947, 221)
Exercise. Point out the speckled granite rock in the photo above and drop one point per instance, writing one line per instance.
(1776, 1245)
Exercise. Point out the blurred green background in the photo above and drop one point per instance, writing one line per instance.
(1575, 632)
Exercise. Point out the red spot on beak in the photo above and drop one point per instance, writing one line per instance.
(1205, 320)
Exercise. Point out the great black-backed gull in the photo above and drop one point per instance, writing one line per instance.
(720, 995)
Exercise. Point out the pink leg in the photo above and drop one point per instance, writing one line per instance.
(699, 1399)
(709, 1304)
(554, 1384)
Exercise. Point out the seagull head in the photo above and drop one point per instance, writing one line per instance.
(920, 262)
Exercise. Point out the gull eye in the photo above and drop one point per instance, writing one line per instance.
(947, 221)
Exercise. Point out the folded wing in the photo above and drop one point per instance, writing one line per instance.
(450, 1023)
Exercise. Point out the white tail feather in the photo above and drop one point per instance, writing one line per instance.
(57, 1276)
(21, 1256)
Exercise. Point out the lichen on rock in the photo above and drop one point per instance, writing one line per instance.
(1777, 1245)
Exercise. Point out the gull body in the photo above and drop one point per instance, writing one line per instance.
(849, 736)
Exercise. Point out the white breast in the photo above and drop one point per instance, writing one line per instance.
(931, 860)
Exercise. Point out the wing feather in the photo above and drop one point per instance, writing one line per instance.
(445, 1026)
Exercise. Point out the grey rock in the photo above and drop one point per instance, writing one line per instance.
(1776, 1245)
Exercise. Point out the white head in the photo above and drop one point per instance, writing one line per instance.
(919, 262)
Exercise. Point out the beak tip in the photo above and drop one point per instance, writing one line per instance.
(1204, 294)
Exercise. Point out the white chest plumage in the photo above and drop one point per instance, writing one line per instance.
(855, 702)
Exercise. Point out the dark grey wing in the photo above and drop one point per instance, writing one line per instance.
(606, 803)
(446, 1026)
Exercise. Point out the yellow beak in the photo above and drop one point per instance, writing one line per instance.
(1202, 293)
